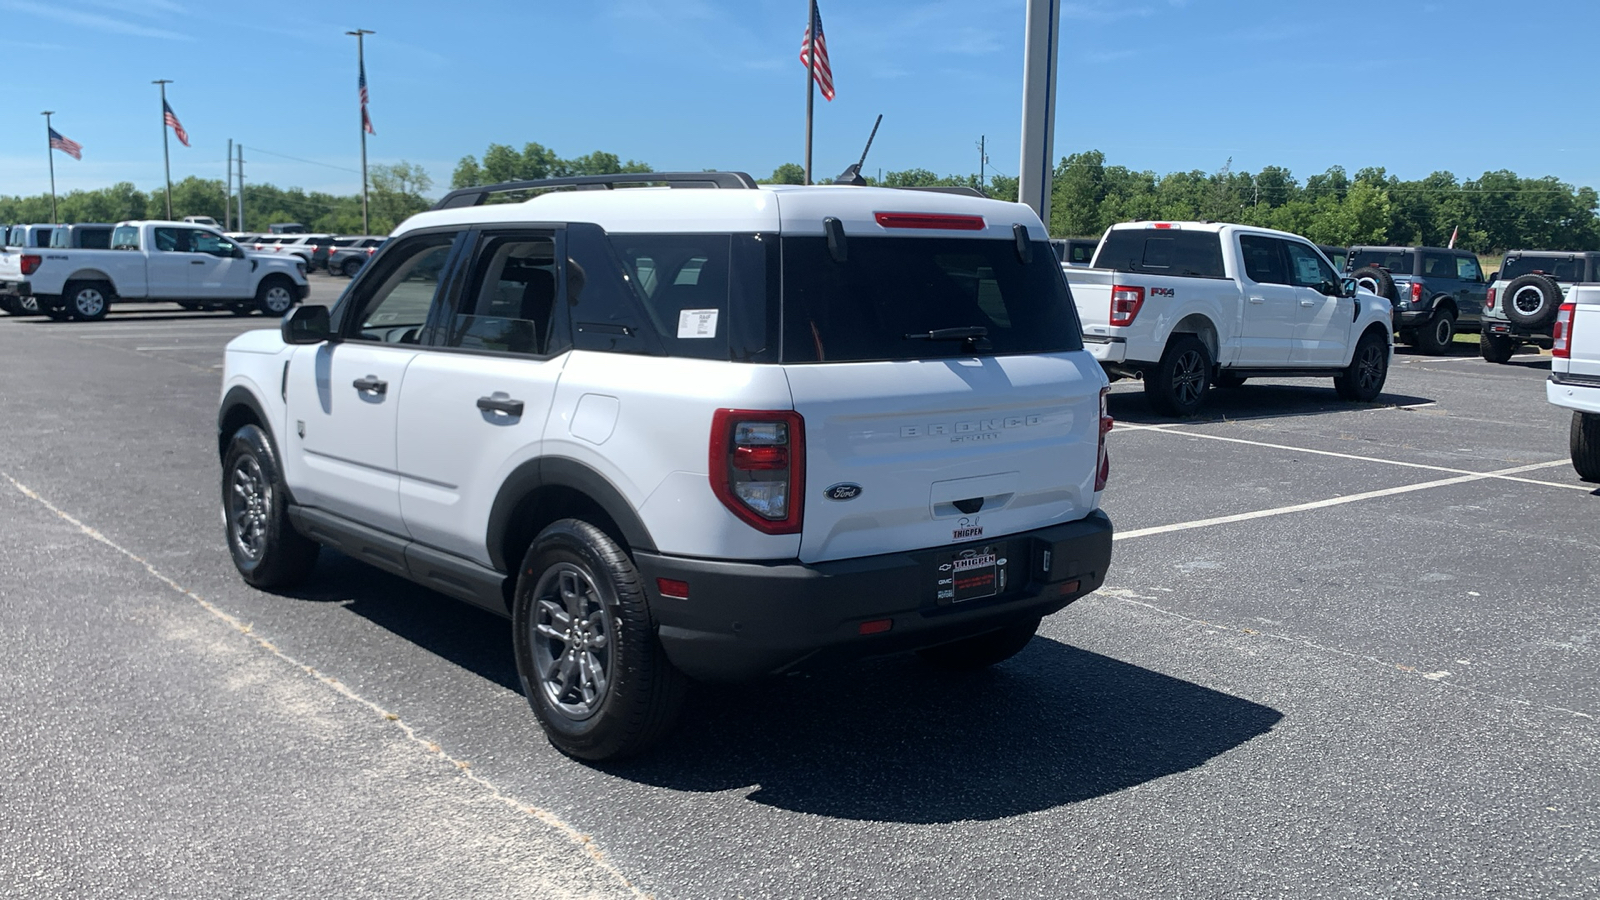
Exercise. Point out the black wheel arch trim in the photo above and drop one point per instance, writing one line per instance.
(241, 396)
(558, 471)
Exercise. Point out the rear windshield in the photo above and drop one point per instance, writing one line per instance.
(125, 237)
(1162, 251)
(890, 293)
(1569, 269)
(1398, 262)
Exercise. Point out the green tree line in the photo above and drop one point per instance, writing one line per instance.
(395, 193)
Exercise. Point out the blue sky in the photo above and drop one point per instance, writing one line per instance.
(1466, 86)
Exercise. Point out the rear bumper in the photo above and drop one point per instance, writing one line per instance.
(1502, 328)
(1578, 392)
(15, 289)
(747, 619)
(1106, 349)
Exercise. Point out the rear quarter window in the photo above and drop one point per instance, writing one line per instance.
(1194, 254)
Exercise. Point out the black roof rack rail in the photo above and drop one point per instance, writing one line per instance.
(476, 196)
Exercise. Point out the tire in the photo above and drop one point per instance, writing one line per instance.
(983, 650)
(575, 573)
(1362, 380)
(1435, 336)
(1586, 445)
(1496, 348)
(266, 549)
(275, 297)
(1177, 385)
(1532, 300)
(1377, 281)
(57, 314)
(1229, 380)
(86, 301)
(350, 267)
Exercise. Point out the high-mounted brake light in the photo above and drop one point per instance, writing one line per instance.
(30, 263)
(1125, 303)
(1561, 333)
(757, 467)
(1102, 466)
(1489, 301)
(938, 221)
(1161, 225)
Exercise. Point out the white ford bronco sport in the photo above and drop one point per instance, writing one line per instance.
(709, 434)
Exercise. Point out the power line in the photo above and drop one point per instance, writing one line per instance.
(311, 162)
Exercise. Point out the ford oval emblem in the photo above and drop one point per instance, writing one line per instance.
(843, 491)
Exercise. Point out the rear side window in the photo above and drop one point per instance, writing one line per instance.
(889, 292)
(1398, 262)
(683, 280)
(1162, 251)
(1436, 265)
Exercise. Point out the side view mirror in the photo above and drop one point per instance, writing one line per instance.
(1348, 285)
(1493, 277)
(238, 252)
(306, 325)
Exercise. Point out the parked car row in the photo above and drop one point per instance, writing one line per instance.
(315, 249)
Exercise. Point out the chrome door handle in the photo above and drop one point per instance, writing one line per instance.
(1307, 304)
(371, 384)
(1258, 300)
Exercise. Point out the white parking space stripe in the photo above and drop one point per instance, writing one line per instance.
(1335, 501)
(209, 348)
(1170, 429)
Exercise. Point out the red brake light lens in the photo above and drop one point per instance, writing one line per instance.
(1125, 303)
(1416, 292)
(1489, 302)
(1161, 225)
(1102, 468)
(1561, 333)
(30, 263)
(930, 220)
(757, 467)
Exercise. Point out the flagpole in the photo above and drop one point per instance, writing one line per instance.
(361, 60)
(50, 154)
(811, 80)
(166, 153)
(227, 192)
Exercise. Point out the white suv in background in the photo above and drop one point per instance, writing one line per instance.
(713, 434)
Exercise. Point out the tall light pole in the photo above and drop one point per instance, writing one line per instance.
(166, 154)
(360, 35)
(1041, 39)
(50, 153)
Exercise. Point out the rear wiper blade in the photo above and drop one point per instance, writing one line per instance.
(964, 333)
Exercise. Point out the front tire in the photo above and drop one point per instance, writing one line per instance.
(1586, 445)
(86, 301)
(1496, 348)
(266, 549)
(351, 267)
(275, 297)
(1362, 380)
(982, 650)
(1435, 337)
(1177, 385)
(586, 648)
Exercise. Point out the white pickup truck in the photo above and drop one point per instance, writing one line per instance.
(1185, 305)
(191, 265)
(1575, 374)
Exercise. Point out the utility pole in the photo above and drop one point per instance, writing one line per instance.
(50, 154)
(227, 194)
(241, 187)
(811, 81)
(166, 154)
(983, 159)
(361, 60)
(1041, 40)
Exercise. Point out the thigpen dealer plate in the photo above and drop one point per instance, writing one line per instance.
(971, 574)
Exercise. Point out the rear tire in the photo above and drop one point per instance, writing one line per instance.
(586, 648)
(1532, 300)
(86, 301)
(1586, 445)
(1177, 385)
(1496, 348)
(1435, 337)
(1362, 380)
(266, 549)
(982, 650)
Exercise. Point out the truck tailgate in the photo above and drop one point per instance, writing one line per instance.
(1091, 293)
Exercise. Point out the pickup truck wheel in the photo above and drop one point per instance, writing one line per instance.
(1532, 300)
(1177, 385)
(586, 646)
(983, 650)
(1496, 348)
(1377, 281)
(1362, 380)
(275, 297)
(1434, 337)
(86, 300)
(350, 267)
(266, 549)
(1586, 445)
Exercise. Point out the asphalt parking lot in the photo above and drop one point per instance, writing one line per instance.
(1343, 651)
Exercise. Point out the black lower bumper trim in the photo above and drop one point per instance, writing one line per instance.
(747, 619)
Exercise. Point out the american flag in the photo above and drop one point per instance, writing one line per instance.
(366, 120)
(172, 121)
(65, 145)
(823, 72)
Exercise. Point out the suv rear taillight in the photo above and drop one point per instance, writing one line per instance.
(1416, 292)
(1489, 302)
(1125, 303)
(1561, 333)
(30, 263)
(758, 467)
(1102, 466)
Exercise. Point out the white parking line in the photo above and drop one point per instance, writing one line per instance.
(209, 348)
(1334, 501)
(1171, 429)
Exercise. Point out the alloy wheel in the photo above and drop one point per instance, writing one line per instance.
(249, 499)
(572, 641)
(88, 303)
(1188, 377)
(278, 299)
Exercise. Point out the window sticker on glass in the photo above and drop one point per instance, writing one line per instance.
(1308, 269)
(697, 323)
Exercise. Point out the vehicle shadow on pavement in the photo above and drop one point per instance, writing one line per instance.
(1253, 401)
(899, 741)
